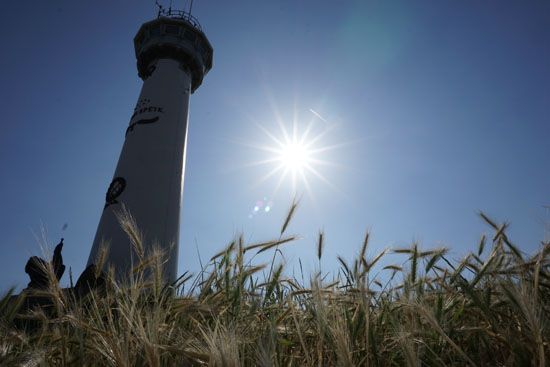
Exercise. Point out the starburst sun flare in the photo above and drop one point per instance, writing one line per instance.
(295, 156)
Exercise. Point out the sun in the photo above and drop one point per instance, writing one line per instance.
(294, 154)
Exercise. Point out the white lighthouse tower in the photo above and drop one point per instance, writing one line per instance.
(173, 55)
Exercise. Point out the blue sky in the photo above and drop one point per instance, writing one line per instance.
(439, 109)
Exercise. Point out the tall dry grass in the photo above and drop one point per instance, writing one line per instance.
(490, 309)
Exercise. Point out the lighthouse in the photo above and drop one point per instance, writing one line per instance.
(173, 55)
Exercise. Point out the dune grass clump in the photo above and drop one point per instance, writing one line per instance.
(489, 309)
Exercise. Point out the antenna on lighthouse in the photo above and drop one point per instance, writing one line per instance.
(160, 10)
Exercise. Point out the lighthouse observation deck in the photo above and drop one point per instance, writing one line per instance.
(175, 34)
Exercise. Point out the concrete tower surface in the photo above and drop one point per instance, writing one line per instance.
(173, 55)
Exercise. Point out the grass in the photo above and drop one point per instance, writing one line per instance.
(490, 309)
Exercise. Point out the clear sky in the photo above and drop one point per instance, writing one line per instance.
(434, 110)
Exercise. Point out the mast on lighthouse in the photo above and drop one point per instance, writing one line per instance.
(173, 55)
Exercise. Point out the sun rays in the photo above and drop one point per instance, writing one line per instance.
(294, 155)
